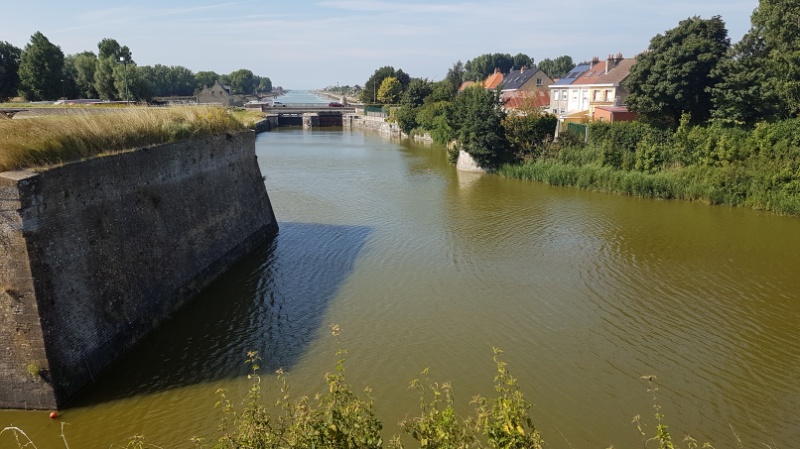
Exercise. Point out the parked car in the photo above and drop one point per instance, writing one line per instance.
(335, 104)
(278, 104)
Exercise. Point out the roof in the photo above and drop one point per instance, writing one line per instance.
(517, 78)
(618, 70)
(465, 84)
(539, 99)
(614, 109)
(573, 74)
(493, 80)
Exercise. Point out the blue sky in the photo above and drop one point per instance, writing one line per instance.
(303, 44)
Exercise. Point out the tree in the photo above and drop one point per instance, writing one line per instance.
(242, 82)
(484, 65)
(82, 67)
(476, 118)
(416, 92)
(110, 48)
(743, 96)
(370, 92)
(104, 78)
(390, 90)
(41, 66)
(264, 84)
(110, 55)
(676, 75)
(557, 68)
(9, 70)
(528, 130)
(204, 79)
(522, 60)
(780, 22)
(455, 75)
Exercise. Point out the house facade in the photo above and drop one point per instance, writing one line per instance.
(525, 82)
(559, 93)
(600, 84)
(217, 94)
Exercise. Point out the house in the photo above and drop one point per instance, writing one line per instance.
(465, 84)
(524, 80)
(539, 99)
(600, 85)
(611, 114)
(559, 95)
(218, 94)
(493, 80)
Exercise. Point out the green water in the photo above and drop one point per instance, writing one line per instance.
(424, 267)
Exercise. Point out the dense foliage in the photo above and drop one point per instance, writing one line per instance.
(9, 70)
(758, 168)
(676, 73)
(484, 65)
(476, 118)
(556, 68)
(40, 69)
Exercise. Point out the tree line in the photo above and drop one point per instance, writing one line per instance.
(41, 71)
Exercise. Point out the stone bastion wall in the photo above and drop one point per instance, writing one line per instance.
(95, 254)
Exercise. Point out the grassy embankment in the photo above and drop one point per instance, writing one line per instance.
(757, 168)
(51, 140)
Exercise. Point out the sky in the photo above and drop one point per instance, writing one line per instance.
(310, 44)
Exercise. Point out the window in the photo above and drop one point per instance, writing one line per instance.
(555, 110)
(555, 94)
(538, 81)
(575, 94)
(608, 95)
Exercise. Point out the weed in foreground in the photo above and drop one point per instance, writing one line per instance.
(662, 439)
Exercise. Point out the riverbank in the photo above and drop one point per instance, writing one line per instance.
(758, 169)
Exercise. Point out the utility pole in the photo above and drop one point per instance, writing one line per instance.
(124, 76)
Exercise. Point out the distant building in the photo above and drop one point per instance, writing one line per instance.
(218, 94)
(493, 80)
(611, 114)
(559, 95)
(525, 82)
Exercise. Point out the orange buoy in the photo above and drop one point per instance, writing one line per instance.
(53, 415)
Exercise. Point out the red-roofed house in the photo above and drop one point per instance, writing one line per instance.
(465, 85)
(528, 100)
(493, 80)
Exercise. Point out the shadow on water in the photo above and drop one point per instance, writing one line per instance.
(273, 302)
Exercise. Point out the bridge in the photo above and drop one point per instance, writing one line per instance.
(307, 115)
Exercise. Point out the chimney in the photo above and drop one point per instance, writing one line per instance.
(521, 69)
(609, 63)
(595, 60)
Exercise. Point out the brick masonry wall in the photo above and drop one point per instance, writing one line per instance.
(99, 252)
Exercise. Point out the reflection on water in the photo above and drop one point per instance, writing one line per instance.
(424, 267)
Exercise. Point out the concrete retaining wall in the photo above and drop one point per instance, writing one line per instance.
(95, 254)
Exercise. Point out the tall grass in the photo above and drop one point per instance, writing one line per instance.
(50, 140)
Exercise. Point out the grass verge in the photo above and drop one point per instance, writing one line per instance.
(51, 140)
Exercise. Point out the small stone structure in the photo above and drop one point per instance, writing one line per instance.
(95, 254)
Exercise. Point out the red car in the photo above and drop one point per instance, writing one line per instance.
(335, 104)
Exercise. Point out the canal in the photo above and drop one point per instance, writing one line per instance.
(425, 267)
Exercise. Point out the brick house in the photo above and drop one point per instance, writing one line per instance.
(525, 82)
